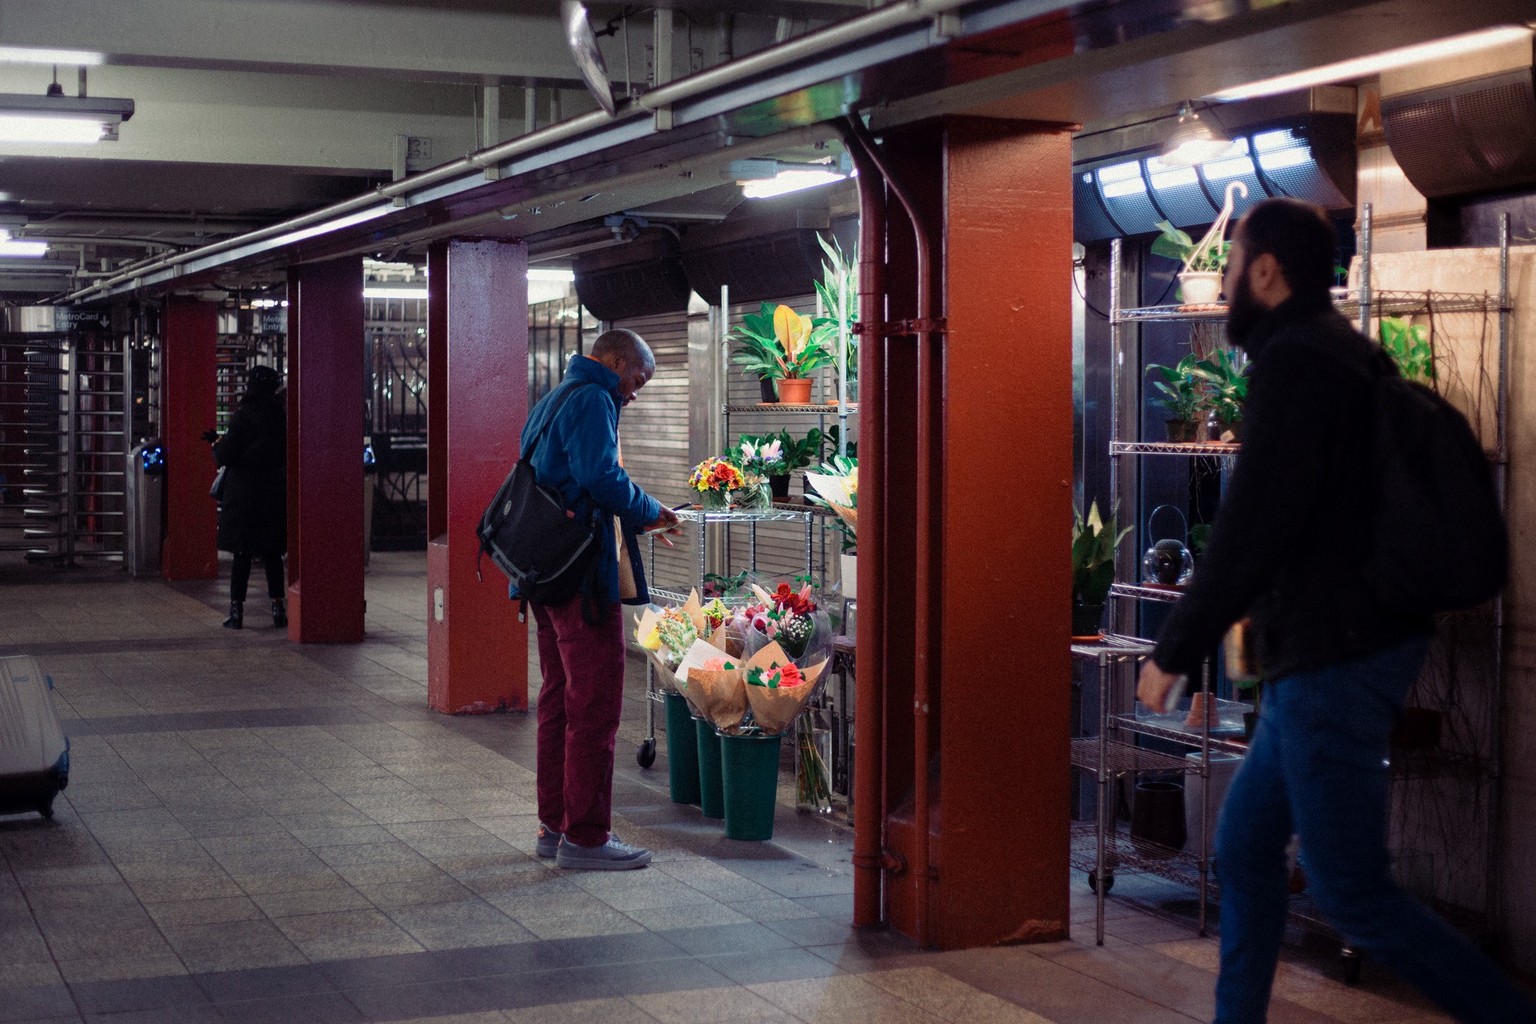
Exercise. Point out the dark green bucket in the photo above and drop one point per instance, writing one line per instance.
(711, 791)
(750, 765)
(682, 751)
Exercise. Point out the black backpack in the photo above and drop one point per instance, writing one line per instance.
(1439, 538)
(545, 549)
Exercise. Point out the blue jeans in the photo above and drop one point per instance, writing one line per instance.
(1317, 768)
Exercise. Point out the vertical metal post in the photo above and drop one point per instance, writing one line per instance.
(1495, 768)
(1366, 241)
(1116, 368)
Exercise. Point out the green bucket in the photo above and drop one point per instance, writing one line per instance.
(750, 765)
(711, 790)
(682, 751)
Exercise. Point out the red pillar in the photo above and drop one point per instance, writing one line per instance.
(325, 452)
(996, 377)
(477, 375)
(188, 405)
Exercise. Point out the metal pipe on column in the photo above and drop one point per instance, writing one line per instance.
(869, 715)
(929, 374)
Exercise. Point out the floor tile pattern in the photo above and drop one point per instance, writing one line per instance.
(257, 831)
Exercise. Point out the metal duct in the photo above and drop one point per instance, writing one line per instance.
(1467, 137)
(641, 278)
(759, 257)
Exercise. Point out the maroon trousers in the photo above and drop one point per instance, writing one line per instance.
(579, 707)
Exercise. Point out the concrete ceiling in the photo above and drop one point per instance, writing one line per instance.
(251, 111)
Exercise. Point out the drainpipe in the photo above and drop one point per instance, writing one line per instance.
(928, 377)
(869, 779)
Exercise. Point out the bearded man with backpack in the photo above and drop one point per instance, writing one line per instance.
(1302, 545)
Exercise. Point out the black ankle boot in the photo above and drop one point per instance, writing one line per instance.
(236, 618)
(279, 613)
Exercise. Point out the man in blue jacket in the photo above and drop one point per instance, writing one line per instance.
(581, 642)
(1337, 660)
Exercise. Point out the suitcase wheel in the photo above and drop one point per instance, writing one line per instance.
(646, 755)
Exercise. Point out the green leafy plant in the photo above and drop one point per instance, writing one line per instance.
(777, 454)
(777, 343)
(829, 444)
(1227, 383)
(839, 291)
(1093, 553)
(1409, 346)
(1177, 245)
(1184, 391)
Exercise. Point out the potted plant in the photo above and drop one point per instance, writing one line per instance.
(764, 454)
(1093, 566)
(839, 292)
(1227, 382)
(836, 486)
(1200, 280)
(1184, 395)
(781, 345)
(1409, 346)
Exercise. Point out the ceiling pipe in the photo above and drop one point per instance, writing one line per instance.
(807, 47)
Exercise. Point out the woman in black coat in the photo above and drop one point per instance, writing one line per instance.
(253, 514)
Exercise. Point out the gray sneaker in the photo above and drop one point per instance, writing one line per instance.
(548, 842)
(611, 856)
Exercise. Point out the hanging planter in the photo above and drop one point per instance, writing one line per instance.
(1200, 287)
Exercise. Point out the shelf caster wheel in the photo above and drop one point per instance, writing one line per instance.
(1093, 881)
(646, 755)
(1351, 961)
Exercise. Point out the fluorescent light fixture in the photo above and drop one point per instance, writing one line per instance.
(1193, 141)
(267, 303)
(787, 181)
(61, 119)
(43, 55)
(36, 128)
(380, 291)
(18, 247)
(552, 274)
(1375, 63)
(1119, 180)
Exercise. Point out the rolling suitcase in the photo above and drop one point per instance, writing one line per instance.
(34, 752)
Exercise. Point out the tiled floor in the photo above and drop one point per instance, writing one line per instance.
(258, 831)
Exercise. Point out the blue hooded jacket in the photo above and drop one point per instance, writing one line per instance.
(579, 456)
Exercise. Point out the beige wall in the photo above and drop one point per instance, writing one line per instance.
(1467, 347)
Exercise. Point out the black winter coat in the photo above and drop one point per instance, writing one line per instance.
(254, 513)
(1292, 533)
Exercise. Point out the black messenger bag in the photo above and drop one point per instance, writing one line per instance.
(544, 548)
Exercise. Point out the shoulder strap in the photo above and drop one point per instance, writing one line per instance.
(553, 412)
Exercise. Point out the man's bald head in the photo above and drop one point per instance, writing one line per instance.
(626, 354)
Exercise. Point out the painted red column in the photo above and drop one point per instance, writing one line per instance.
(188, 402)
(477, 376)
(325, 452)
(972, 439)
(1007, 476)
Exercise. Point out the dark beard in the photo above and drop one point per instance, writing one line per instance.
(1244, 313)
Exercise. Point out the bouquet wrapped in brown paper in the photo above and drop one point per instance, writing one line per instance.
(665, 634)
(714, 683)
(777, 689)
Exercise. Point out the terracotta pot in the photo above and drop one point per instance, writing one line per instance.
(795, 391)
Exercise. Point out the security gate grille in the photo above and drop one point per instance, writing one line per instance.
(75, 446)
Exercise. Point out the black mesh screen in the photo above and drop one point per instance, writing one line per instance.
(1468, 138)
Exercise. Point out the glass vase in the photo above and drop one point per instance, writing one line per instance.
(715, 501)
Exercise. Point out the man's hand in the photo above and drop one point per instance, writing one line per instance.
(1153, 684)
(666, 522)
(210, 435)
